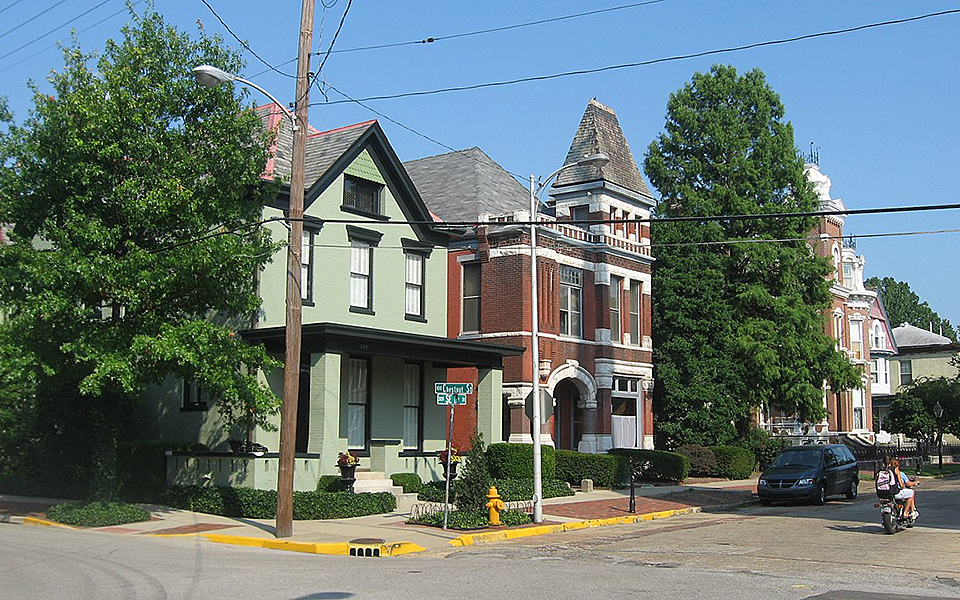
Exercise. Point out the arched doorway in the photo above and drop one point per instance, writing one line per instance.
(568, 415)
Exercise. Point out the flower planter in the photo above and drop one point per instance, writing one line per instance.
(453, 471)
(348, 475)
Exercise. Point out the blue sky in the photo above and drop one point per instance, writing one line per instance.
(881, 105)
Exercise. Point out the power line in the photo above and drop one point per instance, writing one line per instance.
(653, 61)
(55, 44)
(245, 44)
(11, 5)
(335, 35)
(433, 39)
(55, 29)
(33, 18)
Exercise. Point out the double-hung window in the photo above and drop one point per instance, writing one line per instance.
(413, 266)
(571, 295)
(471, 298)
(306, 265)
(194, 397)
(856, 339)
(616, 325)
(636, 288)
(906, 372)
(362, 242)
(412, 406)
(358, 395)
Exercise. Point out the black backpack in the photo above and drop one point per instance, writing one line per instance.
(887, 484)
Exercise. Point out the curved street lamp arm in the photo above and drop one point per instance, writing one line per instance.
(286, 111)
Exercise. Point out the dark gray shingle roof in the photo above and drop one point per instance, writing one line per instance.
(458, 186)
(910, 336)
(600, 131)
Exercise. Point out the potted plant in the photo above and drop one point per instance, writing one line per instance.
(455, 458)
(347, 463)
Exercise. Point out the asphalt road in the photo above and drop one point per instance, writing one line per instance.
(790, 552)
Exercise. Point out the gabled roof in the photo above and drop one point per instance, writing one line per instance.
(878, 312)
(600, 131)
(328, 153)
(459, 186)
(910, 337)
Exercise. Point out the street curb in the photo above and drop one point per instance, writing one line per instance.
(332, 548)
(35, 522)
(12, 519)
(471, 539)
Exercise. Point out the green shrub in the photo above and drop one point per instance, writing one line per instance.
(573, 467)
(764, 445)
(262, 504)
(331, 483)
(703, 462)
(512, 490)
(433, 491)
(470, 490)
(97, 514)
(734, 462)
(142, 468)
(457, 519)
(511, 518)
(515, 461)
(657, 465)
(410, 482)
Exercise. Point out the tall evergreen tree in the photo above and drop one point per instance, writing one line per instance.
(108, 184)
(904, 306)
(737, 325)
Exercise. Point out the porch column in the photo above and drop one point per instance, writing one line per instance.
(325, 411)
(490, 404)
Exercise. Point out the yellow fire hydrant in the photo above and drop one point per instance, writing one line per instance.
(495, 504)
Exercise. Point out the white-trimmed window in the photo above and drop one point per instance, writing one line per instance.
(571, 295)
(847, 274)
(412, 406)
(636, 289)
(194, 398)
(616, 321)
(413, 293)
(306, 265)
(859, 408)
(879, 339)
(837, 273)
(361, 195)
(358, 396)
(838, 329)
(874, 373)
(856, 338)
(470, 313)
(361, 274)
(906, 372)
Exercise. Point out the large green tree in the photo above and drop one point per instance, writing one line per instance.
(905, 306)
(111, 280)
(737, 326)
(913, 411)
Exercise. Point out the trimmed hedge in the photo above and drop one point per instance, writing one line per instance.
(734, 462)
(472, 519)
(573, 467)
(331, 483)
(433, 491)
(512, 490)
(262, 504)
(97, 514)
(703, 462)
(515, 461)
(660, 465)
(410, 482)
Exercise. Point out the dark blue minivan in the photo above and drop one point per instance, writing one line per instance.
(811, 472)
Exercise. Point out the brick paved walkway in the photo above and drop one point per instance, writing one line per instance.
(619, 507)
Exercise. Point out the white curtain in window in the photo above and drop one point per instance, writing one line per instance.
(411, 406)
(359, 274)
(414, 287)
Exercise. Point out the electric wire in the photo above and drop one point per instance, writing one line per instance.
(335, 35)
(55, 29)
(455, 224)
(653, 61)
(438, 38)
(31, 19)
(57, 43)
(245, 44)
(11, 5)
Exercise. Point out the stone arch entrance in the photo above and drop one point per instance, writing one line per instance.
(575, 401)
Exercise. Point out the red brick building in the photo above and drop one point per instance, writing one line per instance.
(593, 278)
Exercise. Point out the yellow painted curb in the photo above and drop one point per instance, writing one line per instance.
(334, 548)
(35, 522)
(470, 539)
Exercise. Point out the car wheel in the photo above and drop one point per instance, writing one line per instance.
(852, 492)
(820, 496)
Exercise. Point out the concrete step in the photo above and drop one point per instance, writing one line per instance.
(370, 485)
(367, 474)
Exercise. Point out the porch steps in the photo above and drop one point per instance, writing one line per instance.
(375, 481)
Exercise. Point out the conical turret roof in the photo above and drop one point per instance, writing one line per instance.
(600, 131)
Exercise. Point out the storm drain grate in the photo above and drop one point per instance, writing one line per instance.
(365, 547)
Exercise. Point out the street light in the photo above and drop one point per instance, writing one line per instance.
(210, 76)
(596, 160)
(938, 413)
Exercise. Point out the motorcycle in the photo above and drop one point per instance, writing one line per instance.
(891, 511)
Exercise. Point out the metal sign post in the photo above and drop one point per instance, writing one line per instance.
(452, 395)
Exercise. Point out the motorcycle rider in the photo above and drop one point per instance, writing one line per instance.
(906, 493)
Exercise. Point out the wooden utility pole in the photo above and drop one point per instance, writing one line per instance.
(291, 365)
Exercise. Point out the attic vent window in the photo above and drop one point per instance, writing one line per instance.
(362, 195)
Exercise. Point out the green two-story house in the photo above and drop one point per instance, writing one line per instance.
(374, 292)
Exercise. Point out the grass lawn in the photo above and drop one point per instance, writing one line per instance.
(933, 469)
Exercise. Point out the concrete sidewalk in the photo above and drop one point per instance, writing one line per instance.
(600, 507)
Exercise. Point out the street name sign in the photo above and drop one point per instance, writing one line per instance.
(451, 399)
(453, 388)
